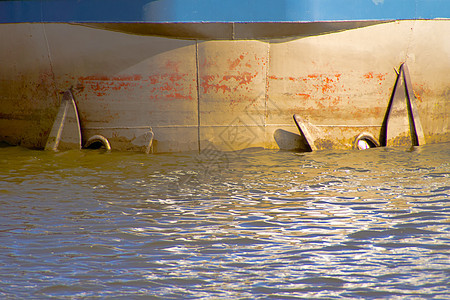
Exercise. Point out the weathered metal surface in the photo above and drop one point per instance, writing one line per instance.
(232, 83)
(227, 95)
(127, 85)
(357, 90)
(66, 132)
(316, 138)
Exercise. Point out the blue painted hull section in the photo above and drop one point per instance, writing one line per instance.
(164, 11)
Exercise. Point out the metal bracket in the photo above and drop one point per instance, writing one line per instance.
(401, 125)
(309, 132)
(144, 142)
(66, 132)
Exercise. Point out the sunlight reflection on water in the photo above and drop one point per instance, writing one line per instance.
(272, 224)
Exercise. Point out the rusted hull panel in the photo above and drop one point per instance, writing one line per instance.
(219, 94)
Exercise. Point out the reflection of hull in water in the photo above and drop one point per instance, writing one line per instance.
(223, 93)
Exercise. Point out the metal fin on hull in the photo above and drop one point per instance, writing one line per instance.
(414, 119)
(144, 142)
(308, 131)
(401, 125)
(149, 138)
(66, 132)
(315, 138)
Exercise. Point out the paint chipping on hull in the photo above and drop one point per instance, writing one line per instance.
(223, 94)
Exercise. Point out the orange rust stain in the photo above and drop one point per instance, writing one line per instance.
(170, 86)
(243, 78)
(161, 86)
(226, 83)
(306, 96)
(368, 75)
(327, 85)
(234, 63)
(378, 76)
(418, 90)
(102, 85)
(207, 84)
(322, 88)
(422, 90)
(326, 89)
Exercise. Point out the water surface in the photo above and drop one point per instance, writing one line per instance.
(256, 224)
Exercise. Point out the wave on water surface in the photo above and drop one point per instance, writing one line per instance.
(253, 224)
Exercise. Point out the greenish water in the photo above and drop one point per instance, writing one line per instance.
(239, 225)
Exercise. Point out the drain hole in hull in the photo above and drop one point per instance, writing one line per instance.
(365, 141)
(97, 142)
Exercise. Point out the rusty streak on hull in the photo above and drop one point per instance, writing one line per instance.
(225, 93)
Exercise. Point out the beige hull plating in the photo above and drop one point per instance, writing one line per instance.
(219, 94)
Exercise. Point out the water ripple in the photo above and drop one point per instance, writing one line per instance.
(269, 225)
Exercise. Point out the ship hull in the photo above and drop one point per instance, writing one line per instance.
(222, 93)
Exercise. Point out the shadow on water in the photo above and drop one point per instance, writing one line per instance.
(249, 224)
